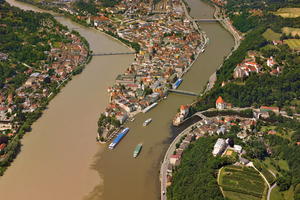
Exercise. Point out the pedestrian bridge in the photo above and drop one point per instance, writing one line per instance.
(206, 20)
(183, 92)
(111, 54)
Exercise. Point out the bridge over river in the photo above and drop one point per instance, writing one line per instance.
(183, 92)
(206, 20)
(111, 54)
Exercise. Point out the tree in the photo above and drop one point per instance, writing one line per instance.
(231, 142)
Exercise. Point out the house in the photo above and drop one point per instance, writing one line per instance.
(170, 168)
(173, 159)
(220, 103)
(219, 147)
(270, 62)
(244, 161)
(238, 148)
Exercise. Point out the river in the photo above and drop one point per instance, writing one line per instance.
(60, 158)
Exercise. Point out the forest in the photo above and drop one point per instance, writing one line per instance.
(195, 177)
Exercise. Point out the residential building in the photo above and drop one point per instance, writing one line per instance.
(219, 147)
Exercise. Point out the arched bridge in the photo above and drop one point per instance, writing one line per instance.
(111, 54)
(183, 92)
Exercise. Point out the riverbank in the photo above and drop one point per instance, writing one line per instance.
(237, 43)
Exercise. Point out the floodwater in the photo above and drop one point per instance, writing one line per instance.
(60, 158)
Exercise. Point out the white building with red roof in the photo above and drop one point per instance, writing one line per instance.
(245, 68)
(270, 62)
(220, 104)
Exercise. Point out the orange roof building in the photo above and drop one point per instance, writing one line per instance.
(220, 103)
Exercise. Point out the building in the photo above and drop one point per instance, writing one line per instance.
(219, 147)
(244, 161)
(267, 109)
(173, 159)
(184, 110)
(270, 62)
(238, 148)
(245, 68)
(220, 103)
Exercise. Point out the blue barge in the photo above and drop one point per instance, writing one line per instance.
(118, 138)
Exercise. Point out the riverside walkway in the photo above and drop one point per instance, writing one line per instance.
(111, 54)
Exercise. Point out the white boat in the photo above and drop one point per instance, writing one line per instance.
(147, 122)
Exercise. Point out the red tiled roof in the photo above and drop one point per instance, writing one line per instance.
(220, 100)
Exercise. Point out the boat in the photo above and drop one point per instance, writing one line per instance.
(131, 120)
(150, 107)
(137, 150)
(208, 41)
(177, 83)
(118, 138)
(203, 14)
(147, 122)
(202, 50)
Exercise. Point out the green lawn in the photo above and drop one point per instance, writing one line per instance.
(55, 44)
(265, 128)
(277, 195)
(294, 102)
(268, 47)
(271, 35)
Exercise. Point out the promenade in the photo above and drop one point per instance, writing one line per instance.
(164, 165)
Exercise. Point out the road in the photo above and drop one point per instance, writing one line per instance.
(164, 165)
(271, 188)
(237, 43)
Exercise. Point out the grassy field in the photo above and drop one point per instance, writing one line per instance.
(295, 102)
(242, 183)
(265, 128)
(287, 195)
(293, 43)
(268, 47)
(271, 35)
(55, 44)
(288, 12)
(293, 31)
(282, 164)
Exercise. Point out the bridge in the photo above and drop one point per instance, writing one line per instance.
(206, 20)
(111, 54)
(199, 114)
(183, 92)
(159, 11)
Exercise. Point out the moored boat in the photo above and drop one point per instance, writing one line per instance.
(118, 138)
(137, 150)
(147, 122)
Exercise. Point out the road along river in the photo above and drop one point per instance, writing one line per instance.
(60, 158)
